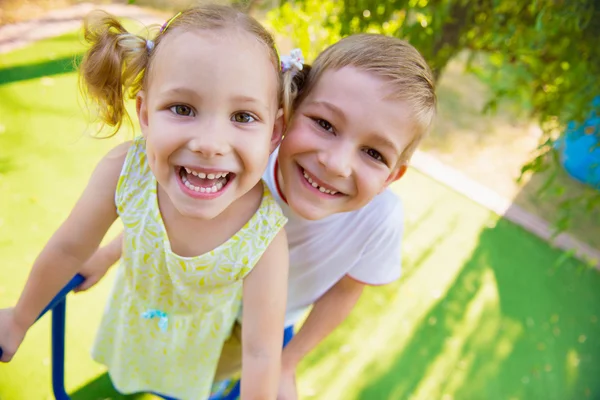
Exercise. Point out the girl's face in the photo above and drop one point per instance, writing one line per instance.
(343, 144)
(208, 116)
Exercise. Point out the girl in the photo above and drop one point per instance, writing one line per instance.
(199, 226)
(359, 115)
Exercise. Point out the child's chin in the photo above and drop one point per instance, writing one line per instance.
(311, 211)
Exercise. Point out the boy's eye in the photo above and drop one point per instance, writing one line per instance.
(324, 124)
(182, 110)
(243, 118)
(375, 155)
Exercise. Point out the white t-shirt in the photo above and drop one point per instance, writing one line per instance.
(363, 244)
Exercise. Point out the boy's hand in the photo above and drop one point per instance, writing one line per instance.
(287, 386)
(11, 334)
(93, 270)
(100, 262)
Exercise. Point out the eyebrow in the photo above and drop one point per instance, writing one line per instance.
(332, 108)
(384, 141)
(178, 91)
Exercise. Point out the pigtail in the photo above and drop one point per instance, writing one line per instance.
(112, 68)
(294, 81)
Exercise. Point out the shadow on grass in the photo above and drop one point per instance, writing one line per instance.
(32, 71)
(101, 388)
(6, 165)
(514, 325)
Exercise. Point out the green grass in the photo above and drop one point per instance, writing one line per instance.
(484, 310)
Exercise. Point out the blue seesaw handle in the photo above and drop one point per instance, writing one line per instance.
(76, 281)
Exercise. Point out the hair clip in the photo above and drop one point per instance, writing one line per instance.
(166, 24)
(295, 59)
(149, 45)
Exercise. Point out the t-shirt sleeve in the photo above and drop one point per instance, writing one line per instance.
(380, 262)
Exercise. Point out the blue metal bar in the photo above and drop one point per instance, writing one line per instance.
(59, 313)
(58, 305)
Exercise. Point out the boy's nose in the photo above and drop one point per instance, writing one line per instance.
(337, 161)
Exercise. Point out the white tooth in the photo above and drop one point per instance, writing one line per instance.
(225, 174)
(219, 186)
(333, 192)
(214, 189)
(189, 171)
(217, 176)
(314, 184)
(187, 183)
(210, 176)
(310, 180)
(194, 173)
(322, 189)
(201, 175)
(327, 191)
(305, 175)
(196, 188)
(202, 190)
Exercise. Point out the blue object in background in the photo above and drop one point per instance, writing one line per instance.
(580, 149)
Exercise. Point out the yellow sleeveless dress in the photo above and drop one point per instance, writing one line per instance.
(167, 316)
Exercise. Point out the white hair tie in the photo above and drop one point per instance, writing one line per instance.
(149, 45)
(294, 60)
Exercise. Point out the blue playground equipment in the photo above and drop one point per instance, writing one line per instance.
(580, 148)
(58, 305)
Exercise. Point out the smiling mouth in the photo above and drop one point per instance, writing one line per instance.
(204, 181)
(323, 189)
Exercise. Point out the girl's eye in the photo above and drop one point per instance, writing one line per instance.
(375, 155)
(243, 118)
(324, 124)
(182, 110)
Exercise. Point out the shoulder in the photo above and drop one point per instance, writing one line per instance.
(113, 161)
(385, 213)
(270, 208)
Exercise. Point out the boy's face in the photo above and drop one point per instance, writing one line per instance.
(343, 144)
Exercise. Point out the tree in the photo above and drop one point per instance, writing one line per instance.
(543, 54)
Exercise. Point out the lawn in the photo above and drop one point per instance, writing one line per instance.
(484, 310)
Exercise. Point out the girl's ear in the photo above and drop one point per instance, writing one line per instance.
(278, 129)
(141, 106)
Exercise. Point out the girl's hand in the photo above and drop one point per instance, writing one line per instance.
(11, 334)
(287, 386)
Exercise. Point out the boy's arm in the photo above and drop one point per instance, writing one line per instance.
(96, 267)
(67, 250)
(264, 299)
(327, 313)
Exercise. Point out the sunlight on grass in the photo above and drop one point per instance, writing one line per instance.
(477, 328)
(483, 310)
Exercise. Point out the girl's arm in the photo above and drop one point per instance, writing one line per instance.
(66, 252)
(264, 300)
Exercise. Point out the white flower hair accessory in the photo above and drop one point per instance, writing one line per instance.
(149, 45)
(294, 60)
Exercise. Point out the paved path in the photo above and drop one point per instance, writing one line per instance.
(62, 21)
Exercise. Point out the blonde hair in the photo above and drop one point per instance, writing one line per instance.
(389, 58)
(117, 63)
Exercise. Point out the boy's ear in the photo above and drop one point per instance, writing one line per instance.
(396, 174)
(278, 129)
(141, 107)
